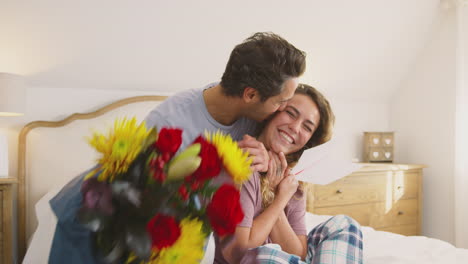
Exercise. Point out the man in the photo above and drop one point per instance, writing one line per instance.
(260, 77)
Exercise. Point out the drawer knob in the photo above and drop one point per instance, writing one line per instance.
(400, 212)
(339, 191)
(399, 187)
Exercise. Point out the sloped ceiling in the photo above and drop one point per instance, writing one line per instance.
(359, 49)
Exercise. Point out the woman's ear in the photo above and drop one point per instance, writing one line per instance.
(250, 95)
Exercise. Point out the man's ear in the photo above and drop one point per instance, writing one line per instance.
(250, 95)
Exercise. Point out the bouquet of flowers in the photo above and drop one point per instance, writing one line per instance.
(146, 201)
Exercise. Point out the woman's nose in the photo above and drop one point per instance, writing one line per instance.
(294, 126)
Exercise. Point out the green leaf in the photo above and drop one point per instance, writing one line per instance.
(139, 241)
(150, 139)
(137, 173)
(126, 191)
(115, 253)
(92, 219)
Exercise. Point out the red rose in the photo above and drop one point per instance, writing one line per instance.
(194, 185)
(225, 211)
(159, 175)
(183, 192)
(169, 140)
(210, 165)
(157, 167)
(164, 231)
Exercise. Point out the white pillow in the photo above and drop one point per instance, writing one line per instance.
(41, 241)
(313, 220)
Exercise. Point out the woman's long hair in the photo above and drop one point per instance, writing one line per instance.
(322, 134)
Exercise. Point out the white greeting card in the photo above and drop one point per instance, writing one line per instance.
(319, 165)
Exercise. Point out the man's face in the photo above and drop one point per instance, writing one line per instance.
(262, 110)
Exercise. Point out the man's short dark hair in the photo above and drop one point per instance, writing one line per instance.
(264, 61)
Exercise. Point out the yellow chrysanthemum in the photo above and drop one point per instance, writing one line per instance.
(235, 160)
(187, 249)
(119, 148)
(131, 258)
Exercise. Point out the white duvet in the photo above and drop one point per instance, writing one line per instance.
(379, 246)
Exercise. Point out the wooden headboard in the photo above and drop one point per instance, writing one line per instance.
(50, 157)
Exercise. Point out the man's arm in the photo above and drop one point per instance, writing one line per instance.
(155, 118)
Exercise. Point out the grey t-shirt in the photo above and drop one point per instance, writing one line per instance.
(251, 201)
(187, 110)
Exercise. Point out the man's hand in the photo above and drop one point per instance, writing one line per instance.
(257, 152)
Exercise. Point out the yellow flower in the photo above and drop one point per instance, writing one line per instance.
(187, 249)
(120, 148)
(131, 258)
(235, 160)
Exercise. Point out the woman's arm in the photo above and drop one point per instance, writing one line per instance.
(283, 234)
(245, 238)
(289, 230)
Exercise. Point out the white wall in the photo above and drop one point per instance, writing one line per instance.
(355, 48)
(353, 117)
(461, 129)
(422, 113)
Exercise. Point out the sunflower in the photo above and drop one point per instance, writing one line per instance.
(187, 249)
(119, 148)
(235, 160)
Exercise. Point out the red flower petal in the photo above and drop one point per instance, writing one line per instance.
(225, 211)
(164, 231)
(210, 165)
(169, 140)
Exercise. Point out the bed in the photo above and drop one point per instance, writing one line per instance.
(51, 153)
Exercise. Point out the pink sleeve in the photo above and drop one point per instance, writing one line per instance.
(296, 213)
(249, 199)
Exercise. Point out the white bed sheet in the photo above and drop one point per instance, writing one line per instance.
(379, 247)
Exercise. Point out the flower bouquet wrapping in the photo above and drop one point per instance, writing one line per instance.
(149, 202)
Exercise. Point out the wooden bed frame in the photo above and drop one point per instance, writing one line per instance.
(22, 148)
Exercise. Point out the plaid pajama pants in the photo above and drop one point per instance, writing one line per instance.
(337, 240)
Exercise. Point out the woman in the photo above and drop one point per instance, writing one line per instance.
(274, 203)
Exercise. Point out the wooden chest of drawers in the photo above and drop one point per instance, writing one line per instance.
(6, 218)
(386, 197)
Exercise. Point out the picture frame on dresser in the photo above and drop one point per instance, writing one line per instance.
(385, 196)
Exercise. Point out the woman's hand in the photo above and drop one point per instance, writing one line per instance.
(277, 168)
(287, 187)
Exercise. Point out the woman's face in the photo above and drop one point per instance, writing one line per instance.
(289, 130)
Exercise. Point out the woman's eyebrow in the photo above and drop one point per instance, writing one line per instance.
(295, 109)
(310, 122)
(298, 113)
